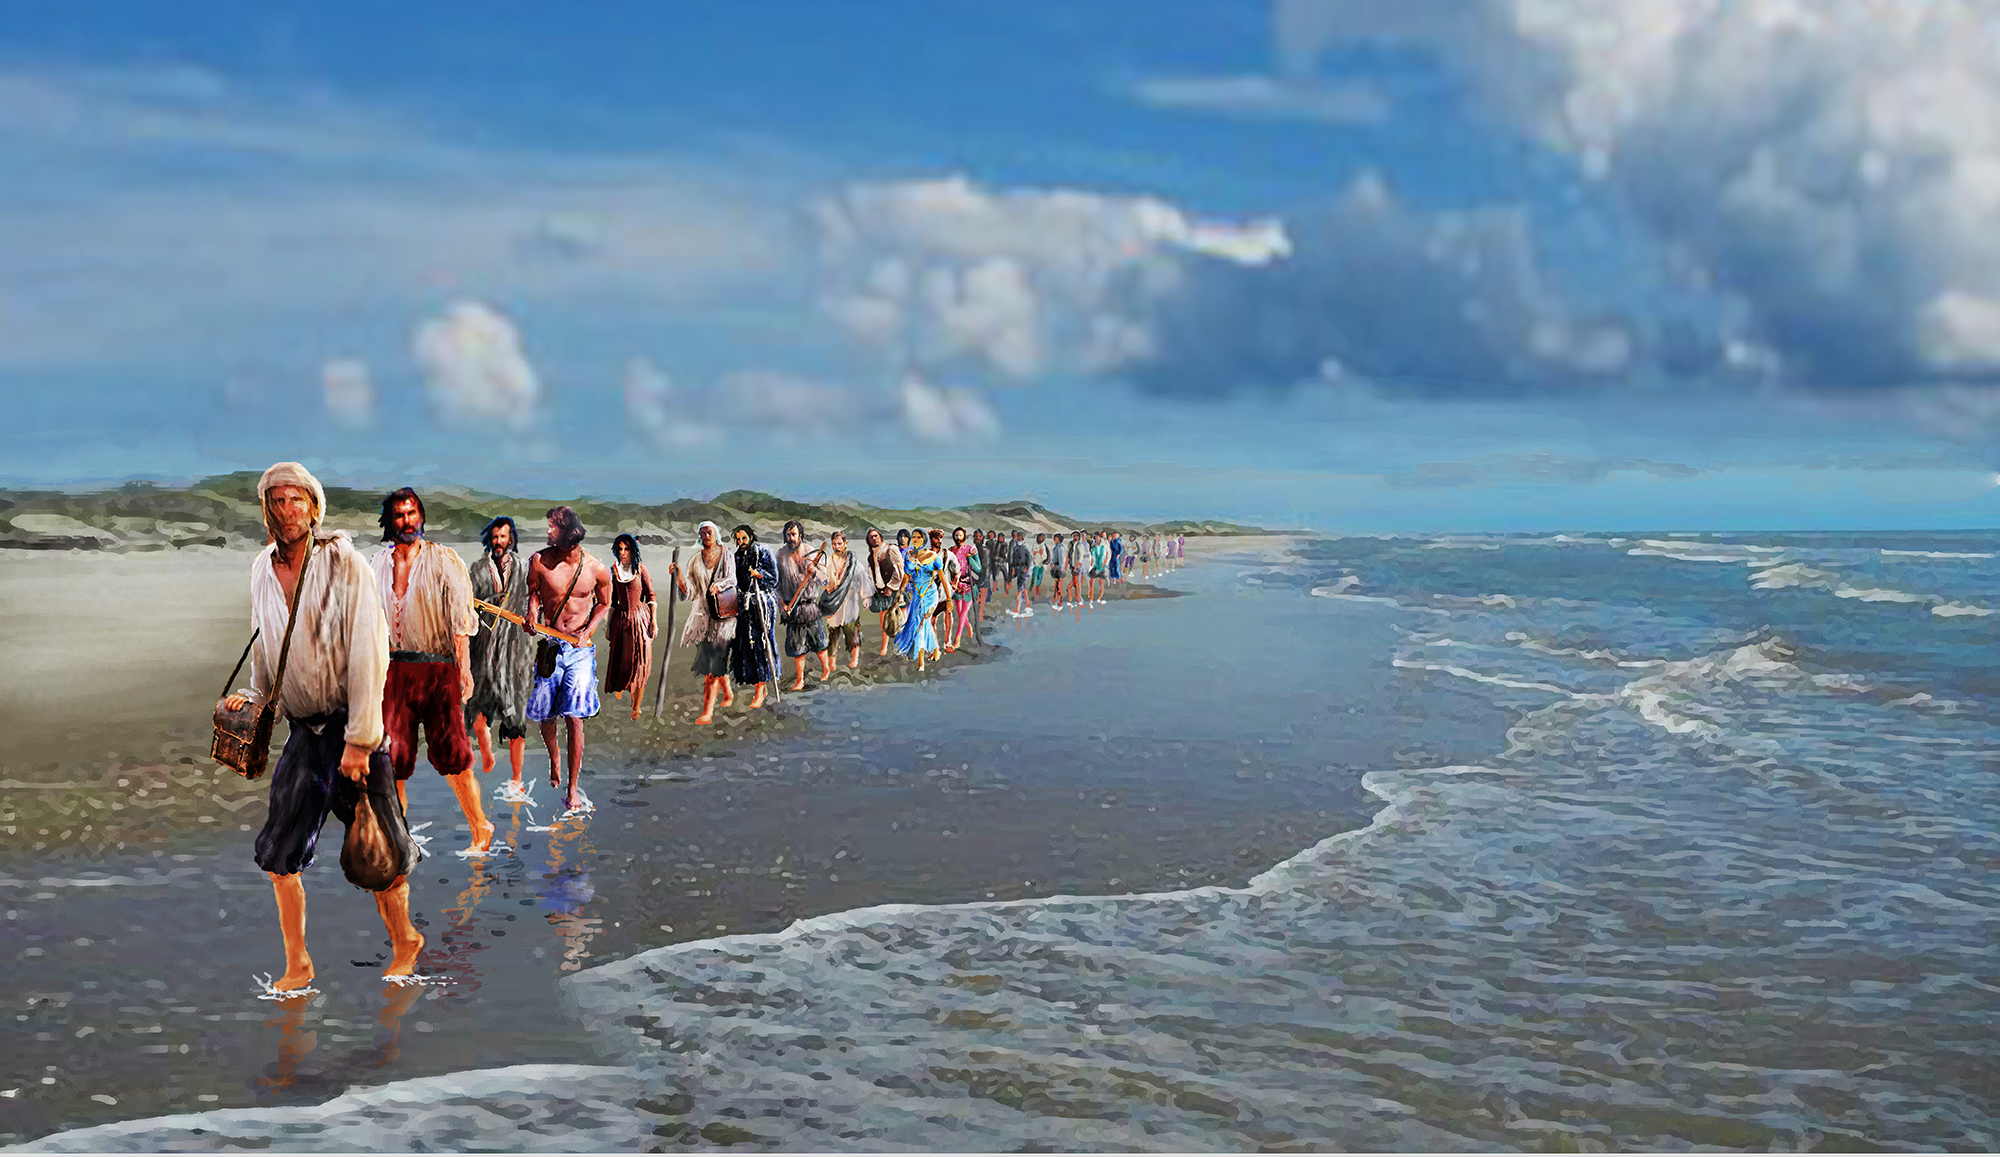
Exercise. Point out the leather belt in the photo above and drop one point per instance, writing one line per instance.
(419, 657)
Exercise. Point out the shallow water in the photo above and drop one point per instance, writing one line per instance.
(132, 973)
(1676, 842)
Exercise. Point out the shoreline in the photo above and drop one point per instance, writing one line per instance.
(746, 829)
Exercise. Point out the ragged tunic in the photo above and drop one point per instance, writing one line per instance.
(339, 659)
(849, 608)
(798, 592)
(703, 627)
(503, 655)
(436, 606)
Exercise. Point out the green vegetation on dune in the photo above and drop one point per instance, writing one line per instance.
(222, 511)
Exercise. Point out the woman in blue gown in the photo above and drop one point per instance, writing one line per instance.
(918, 639)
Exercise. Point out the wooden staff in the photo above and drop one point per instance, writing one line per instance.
(511, 617)
(673, 596)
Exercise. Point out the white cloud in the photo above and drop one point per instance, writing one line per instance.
(1833, 164)
(348, 393)
(944, 275)
(1264, 96)
(107, 185)
(946, 415)
(475, 369)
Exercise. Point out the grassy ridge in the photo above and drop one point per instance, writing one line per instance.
(222, 511)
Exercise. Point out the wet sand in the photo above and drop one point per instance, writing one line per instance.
(1132, 747)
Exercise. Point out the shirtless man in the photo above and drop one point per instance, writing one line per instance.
(570, 591)
(427, 601)
(332, 693)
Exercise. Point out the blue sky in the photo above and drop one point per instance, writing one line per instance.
(1479, 265)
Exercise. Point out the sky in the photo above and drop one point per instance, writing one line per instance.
(1442, 265)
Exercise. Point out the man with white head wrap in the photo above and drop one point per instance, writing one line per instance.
(332, 693)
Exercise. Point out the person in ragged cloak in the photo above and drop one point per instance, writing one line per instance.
(753, 657)
(503, 659)
(885, 563)
(843, 584)
(798, 600)
(711, 571)
(629, 632)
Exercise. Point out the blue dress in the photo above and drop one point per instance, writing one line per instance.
(753, 655)
(926, 587)
(1117, 549)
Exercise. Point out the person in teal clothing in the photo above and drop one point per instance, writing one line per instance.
(918, 639)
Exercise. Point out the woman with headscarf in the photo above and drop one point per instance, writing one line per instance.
(711, 571)
(753, 658)
(629, 633)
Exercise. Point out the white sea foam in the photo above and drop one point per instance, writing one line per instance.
(1932, 554)
(1878, 595)
(1495, 680)
(1959, 610)
(1777, 576)
(1703, 551)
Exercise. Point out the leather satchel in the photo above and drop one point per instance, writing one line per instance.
(242, 740)
(726, 603)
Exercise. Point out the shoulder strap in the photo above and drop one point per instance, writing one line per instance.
(285, 648)
(575, 575)
(238, 669)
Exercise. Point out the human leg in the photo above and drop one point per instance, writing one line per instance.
(290, 891)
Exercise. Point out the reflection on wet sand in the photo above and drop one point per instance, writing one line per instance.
(295, 1042)
(398, 1000)
(567, 888)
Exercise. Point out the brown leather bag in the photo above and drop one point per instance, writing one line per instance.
(726, 603)
(377, 850)
(242, 740)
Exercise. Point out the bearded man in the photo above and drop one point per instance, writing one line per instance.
(332, 695)
(427, 601)
(571, 591)
(503, 659)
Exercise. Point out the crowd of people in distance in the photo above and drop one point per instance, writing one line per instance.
(363, 655)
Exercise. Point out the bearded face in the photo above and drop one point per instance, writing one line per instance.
(406, 522)
(503, 539)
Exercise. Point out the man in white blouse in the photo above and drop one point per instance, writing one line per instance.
(332, 694)
(427, 603)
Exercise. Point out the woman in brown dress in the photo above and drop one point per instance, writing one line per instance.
(629, 633)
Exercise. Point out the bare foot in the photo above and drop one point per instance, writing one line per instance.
(798, 685)
(635, 709)
(405, 961)
(704, 719)
(570, 802)
(297, 976)
(758, 700)
(555, 777)
(482, 838)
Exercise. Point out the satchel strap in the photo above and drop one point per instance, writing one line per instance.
(577, 574)
(285, 648)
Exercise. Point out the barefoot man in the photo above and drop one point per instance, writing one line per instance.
(332, 694)
(570, 591)
(427, 602)
(503, 659)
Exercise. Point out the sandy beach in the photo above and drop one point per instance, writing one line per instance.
(1124, 748)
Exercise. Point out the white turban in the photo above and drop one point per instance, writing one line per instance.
(292, 474)
(711, 526)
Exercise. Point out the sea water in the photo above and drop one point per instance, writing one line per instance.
(1729, 881)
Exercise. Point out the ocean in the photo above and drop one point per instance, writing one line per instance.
(1671, 842)
(1729, 881)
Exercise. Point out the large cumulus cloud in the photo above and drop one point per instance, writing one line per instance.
(1832, 165)
(1008, 286)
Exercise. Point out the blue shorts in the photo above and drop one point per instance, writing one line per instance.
(571, 691)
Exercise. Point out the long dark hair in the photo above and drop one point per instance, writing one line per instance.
(569, 528)
(802, 530)
(630, 543)
(745, 528)
(393, 499)
(513, 534)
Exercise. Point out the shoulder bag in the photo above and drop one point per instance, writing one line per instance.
(242, 740)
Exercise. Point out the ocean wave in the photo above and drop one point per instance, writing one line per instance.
(1959, 610)
(1672, 699)
(1879, 595)
(1777, 576)
(1703, 551)
(1494, 680)
(1932, 554)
